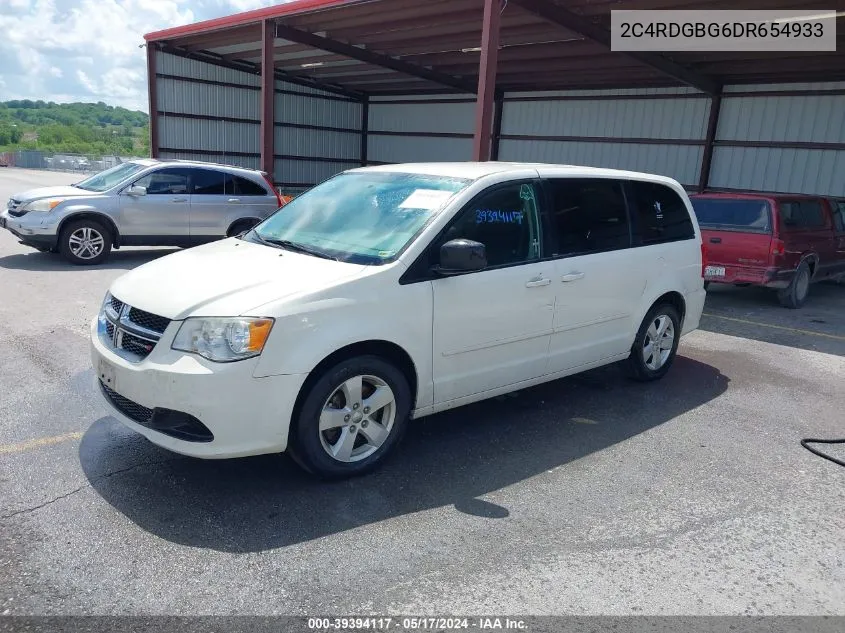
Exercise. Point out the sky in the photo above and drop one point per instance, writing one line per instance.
(89, 50)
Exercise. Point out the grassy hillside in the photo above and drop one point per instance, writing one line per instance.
(74, 128)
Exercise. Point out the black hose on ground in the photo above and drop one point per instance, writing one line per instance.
(806, 444)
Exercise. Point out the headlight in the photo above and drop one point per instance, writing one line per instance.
(223, 340)
(42, 206)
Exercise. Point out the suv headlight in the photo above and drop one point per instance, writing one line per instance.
(223, 340)
(41, 206)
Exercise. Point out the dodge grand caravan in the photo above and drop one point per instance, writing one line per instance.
(394, 292)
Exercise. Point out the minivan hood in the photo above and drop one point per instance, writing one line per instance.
(62, 191)
(225, 278)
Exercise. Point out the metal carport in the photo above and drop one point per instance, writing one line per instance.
(359, 82)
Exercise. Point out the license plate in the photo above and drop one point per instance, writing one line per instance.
(105, 371)
(714, 271)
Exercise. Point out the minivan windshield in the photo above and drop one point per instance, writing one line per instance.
(109, 178)
(360, 217)
(733, 214)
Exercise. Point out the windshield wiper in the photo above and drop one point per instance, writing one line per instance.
(296, 247)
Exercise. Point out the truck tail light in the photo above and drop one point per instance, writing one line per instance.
(269, 181)
(703, 257)
(778, 248)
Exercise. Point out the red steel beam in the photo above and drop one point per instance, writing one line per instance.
(152, 85)
(268, 90)
(481, 146)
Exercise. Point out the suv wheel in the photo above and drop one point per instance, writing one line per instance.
(795, 294)
(655, 345)
(85, 242)
(351, 418)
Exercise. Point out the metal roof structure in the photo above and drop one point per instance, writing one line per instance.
(408, 46)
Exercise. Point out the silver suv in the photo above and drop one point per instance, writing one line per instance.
(141, 203)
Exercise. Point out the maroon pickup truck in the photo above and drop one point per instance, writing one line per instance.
(783, 242)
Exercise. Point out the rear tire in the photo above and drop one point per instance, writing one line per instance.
(85, 242)
(351, 419)
(706, 285)
(240, 226)
(655, 345)
(795, 295)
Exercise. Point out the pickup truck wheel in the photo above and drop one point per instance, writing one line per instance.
(85, 242)
(795, 294)
(655, 345)
(352, 417)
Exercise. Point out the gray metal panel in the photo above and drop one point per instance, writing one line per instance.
(283, 85)
(627, 118)
(180, 133)
(311, 111)
(779, 169)
(399, 149)
(795, 118)
(193, 98)
(300, 171)
(681, 162)
(423, 117)
(174, 65)
(250, 162)
(318, 143)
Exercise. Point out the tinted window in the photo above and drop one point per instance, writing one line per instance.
(504, 220)
(741, 215)
(208, 182)
(171, 181)
(245, 187)
(661, 215)
(839, 215)
(803, 214)
(588, 215)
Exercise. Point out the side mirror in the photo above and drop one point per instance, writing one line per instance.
(461, 256)
(136, 190)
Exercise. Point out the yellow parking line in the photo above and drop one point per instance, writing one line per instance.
(776, 327)
(21, 447)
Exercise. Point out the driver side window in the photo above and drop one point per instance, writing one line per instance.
(165, 182)
(505, 219)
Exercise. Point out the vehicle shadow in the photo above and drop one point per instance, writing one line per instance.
(453, 458)
(124, 259)
(754, 313)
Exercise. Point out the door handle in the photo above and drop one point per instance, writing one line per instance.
(233, 200)
(572, 277)
(538, 281)
(179, 200)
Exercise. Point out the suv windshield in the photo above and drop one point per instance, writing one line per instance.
(737, 215)
(363, 217)
(109, 178)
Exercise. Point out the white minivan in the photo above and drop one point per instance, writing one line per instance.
(394, 292)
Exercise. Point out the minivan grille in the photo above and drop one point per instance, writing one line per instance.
(130, 329)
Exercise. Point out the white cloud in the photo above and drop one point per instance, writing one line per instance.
(46, 43)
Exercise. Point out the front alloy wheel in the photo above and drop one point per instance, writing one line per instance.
(85, 242)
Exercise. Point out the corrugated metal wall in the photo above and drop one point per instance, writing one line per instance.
(789, 143)
(655, 130)
(407, 129)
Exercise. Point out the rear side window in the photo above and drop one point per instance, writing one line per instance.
(839, 215)
(587, 215)
(733, 215)
(208, 182)
(660, 214)
(244, 187)
(802, 214)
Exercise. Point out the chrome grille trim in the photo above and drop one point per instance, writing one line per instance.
(124, 335)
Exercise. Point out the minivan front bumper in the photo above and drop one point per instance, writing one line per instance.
(195, 407)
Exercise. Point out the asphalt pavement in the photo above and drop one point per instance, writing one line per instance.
(588, 495)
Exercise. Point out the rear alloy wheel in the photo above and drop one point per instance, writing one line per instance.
(351, 419)
(656, 344)
(795, 295)
(85, 242)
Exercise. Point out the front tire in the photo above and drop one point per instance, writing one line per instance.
(351, 419)
(795, 294)
(655, 345)
(85, 242)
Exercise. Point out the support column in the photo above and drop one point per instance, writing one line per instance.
(268, 96)
(152, 91)
(497, 127)
(707, 156)
(481, 146)
(365, 125)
